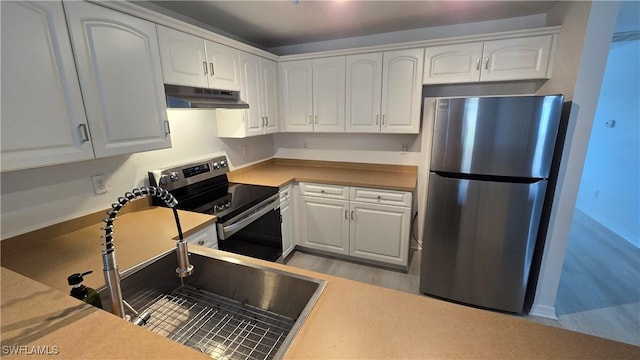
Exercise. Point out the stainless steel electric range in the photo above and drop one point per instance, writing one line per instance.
(248, 216)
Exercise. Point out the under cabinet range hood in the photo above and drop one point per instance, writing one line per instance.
(187, 97)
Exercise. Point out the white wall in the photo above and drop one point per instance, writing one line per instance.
(610, 187)
(35, 198)
(581, 59)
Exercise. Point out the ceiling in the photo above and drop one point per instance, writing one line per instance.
(269, 24)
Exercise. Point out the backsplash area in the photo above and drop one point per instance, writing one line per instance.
(35, 198)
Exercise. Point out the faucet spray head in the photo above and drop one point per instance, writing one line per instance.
(184, 269)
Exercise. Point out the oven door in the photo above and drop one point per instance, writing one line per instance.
(256, 232)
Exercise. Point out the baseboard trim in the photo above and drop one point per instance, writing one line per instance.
(544, 311)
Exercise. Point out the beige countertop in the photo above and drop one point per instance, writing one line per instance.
(137, 236)
(351, 319)
(278, 172)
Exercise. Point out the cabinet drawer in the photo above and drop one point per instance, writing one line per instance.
(325, 191)
(286, 192)
(206, 237)
(378, 196)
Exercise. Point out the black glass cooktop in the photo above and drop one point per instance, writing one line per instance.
(226, 202)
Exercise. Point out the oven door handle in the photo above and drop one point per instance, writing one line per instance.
(225, 231)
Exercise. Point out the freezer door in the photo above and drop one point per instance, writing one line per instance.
(503, 136)
(479, 240)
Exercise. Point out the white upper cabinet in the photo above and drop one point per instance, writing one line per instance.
(192, 61)
(313, 94)
(223, 66)
(328, 94)
(270, 100)
(183, 58)
(516, 59)
(498, 60)
(297, 96)
(363, 92)
(43, 119)
(384, 92)
(259, 89)
(402, 91)
(118, 64)
(457, 63)
(250, 92)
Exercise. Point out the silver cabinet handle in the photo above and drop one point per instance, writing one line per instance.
(486, 63)
(346, 216)
(351, 214)
(266, 119)
(383, 118)
(205, 67)
(263, 122)
(310, 119)
(316, 116)
(377, 119)
(84, 134)
(212, 70)
(167, 128)
(478, 64)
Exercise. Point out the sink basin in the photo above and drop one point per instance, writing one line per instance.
(227, 308)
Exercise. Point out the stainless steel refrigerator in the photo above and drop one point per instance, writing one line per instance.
(490, 164)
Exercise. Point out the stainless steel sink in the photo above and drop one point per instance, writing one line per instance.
(228, 308)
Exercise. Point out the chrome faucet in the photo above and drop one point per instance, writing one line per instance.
(111, 274)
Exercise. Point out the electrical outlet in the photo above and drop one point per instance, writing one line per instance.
(610, 123)
(99, 184)
(405, 148)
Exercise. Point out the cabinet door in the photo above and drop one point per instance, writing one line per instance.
(297, 98)
(43, 119)
(515, 59)
(363, 91)
(287, 227)
(402, 91)
(120, 75)
(328, 94)
(182, 57)
(251, 93)
(324, 224)
(223, 66)
(380, 232)
(457, 63)
(270, 108)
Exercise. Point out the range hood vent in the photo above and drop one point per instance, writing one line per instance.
(186, 97)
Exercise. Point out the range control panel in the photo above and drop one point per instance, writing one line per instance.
(196, 170)
(183, 175)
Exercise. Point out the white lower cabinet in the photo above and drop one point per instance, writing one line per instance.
(380, 232)
(287, 206)
(324, 224)
(207, 237)
(369, 224)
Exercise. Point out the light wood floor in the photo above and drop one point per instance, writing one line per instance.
(616, 318)
(599, 291)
